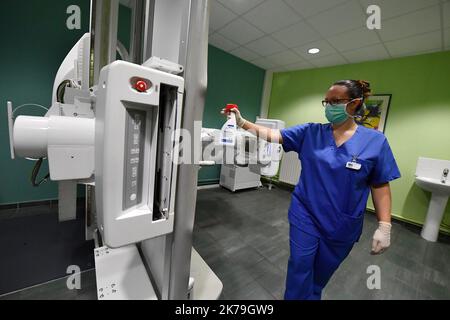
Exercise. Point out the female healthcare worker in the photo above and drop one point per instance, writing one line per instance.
(341, 163)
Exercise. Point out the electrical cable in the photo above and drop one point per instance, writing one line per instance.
(28, 104)
(35, 172)
(61, 90)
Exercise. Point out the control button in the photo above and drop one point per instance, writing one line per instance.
(133, 197)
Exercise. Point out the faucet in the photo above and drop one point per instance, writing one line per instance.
(444, 175)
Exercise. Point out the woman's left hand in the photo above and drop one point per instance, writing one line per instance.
(381, 238)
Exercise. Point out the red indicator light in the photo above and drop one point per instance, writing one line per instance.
(141, 86)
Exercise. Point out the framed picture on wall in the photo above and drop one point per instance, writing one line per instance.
(375, 114)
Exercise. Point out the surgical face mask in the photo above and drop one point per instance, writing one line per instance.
(337, 113)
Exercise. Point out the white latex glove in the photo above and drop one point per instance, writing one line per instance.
(239, 120)
(381, 237)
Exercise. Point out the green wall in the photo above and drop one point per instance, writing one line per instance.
(418, 119)
(35, 42)
(230, 80)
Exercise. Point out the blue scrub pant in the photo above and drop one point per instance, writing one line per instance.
(312, 262)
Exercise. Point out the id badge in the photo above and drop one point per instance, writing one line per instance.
(353, 165)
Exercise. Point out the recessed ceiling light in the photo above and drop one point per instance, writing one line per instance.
(313, 50)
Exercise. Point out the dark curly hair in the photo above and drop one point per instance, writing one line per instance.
(356, 89)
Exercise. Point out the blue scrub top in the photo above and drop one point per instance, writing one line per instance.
(330, 199)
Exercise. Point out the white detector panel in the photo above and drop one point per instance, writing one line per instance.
(126, 140)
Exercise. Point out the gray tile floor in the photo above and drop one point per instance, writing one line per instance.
(244, 238)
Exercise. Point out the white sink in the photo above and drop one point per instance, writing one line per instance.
(435, 186)
(430, 177)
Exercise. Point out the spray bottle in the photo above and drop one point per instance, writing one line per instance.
(228, 132)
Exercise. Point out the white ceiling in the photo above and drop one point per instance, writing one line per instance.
(276, 34)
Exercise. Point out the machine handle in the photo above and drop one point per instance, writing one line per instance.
(10, 128)
(207, 163)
